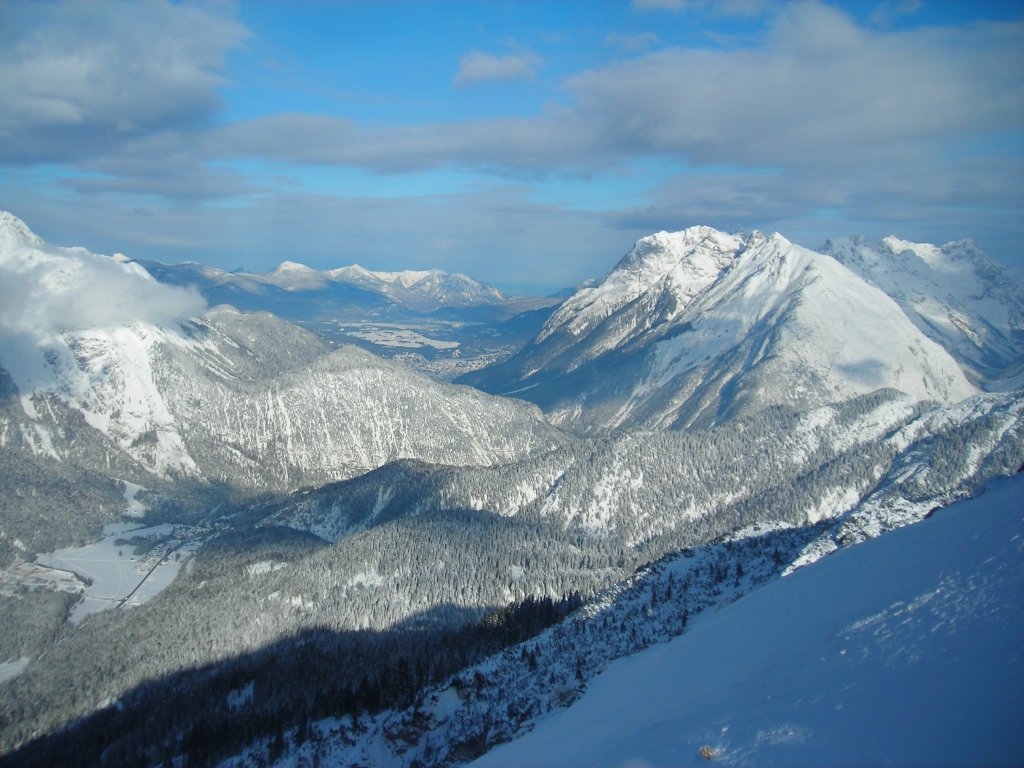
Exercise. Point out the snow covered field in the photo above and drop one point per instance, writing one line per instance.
(905, 650)
(12, 669)
(396, 335)
(114, 570)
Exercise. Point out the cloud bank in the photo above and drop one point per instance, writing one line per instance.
(821, 93)
(81, 78)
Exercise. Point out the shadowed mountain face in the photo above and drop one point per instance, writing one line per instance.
(697, 327)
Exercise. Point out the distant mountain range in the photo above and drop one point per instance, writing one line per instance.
(696, 327)
(441, 324)
(340, 289)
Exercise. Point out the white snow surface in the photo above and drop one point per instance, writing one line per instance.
(11, 669)
(686, 262)
(113, 570)
(904, 650)
(860, 340)
(955, 294)
(706, 324)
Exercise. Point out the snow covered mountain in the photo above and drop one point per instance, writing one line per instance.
(260, 403)
(376, 543)
(244, 401)
(283, 286)
(955, 294)
(253, 403)
(885, 456)
(440, 324)
(902, 651)
(697, 327)
(419, 289)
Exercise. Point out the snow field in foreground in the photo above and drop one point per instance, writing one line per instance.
(904, 650)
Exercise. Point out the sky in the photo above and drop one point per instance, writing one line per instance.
(527, 144)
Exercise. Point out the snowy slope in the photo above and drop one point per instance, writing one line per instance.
(902, 651)
(952, 452)
(697, 327)
(872, 464)
(256, 402)
(97, 360)
(955, 294)
(326, 415)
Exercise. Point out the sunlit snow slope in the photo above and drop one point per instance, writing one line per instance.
(905, 650)
(955, 294)
(698, 327)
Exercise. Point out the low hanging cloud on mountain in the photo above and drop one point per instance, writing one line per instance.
(46, 291)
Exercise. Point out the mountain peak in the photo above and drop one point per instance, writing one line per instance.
(682, 263)
(15, 231)
(701, 326)
(930, 254)
(350, 271)
(956, 255)
(679, 244)
(955, 294)
(291, 267)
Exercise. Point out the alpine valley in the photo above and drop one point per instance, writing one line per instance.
(249, 519)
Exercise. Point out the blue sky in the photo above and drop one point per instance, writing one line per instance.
(527, 144)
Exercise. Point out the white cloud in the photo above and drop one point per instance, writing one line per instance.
(717, 7)
(912, 126)
(476, 67)
(889, 11)
(866, 122)
(820, 92)
(79, 78)
(663, 5)
(632, 43)
(46, 291)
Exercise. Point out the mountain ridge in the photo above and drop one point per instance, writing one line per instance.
(918, 624)
(209, 397)
(420, 290)
(955, 294)
(364, 532)
(697, 326)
